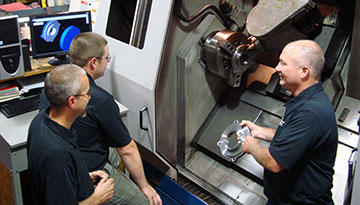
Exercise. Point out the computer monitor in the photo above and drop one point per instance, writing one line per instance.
(52, 34)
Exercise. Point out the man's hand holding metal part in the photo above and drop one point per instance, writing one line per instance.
(261, 154)
(249, 144)
(259, 132)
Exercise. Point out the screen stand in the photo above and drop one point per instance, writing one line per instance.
(59, 60)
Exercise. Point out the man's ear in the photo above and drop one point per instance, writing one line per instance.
(92, 63)
(304, 72)
(71, 101)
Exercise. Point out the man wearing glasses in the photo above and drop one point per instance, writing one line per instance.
(58, 173)
(103, 127)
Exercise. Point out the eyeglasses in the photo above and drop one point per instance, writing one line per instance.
(86, 94)
(108, 58)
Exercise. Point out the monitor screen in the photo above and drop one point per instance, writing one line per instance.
(52, 34)
(9, 33)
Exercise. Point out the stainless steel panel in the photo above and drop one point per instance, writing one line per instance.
(224, 182)
(348, 138)
(201, 90)
(268, 15)
(195, 96)
(341, 171)
(356, 187)
(353, 105)
(266, 103)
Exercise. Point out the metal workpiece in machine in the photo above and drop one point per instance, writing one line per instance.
(231, 141)
(232, 150)
(223, 120)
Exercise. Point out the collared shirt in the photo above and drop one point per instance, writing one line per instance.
(100, 129)
(305, 144)
(58, 174)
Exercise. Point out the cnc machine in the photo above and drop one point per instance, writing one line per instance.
(189, 71)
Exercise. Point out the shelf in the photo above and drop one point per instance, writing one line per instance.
(38, 66)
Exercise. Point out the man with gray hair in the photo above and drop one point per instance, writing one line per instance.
(103, 127)
(299, 162)
(58, 174)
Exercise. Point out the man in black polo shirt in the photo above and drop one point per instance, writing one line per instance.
(299, 162)
(58, 174)
(103, 127)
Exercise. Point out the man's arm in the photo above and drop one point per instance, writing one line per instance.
(261, 154)
(132, 161)
(263, 133)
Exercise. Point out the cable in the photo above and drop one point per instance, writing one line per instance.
(203, 11)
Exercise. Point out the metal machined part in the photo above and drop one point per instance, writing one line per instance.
(234, 151)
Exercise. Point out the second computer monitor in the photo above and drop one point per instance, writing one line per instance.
(52, 34)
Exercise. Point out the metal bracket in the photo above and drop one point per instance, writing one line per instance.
(232, 153)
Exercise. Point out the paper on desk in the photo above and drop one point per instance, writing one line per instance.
(31, 83)
(9, 97)
(26, 88)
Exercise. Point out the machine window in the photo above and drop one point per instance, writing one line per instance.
(128, 21)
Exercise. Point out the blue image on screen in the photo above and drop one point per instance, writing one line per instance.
(67, 36)
(50, 31)
(51, 34)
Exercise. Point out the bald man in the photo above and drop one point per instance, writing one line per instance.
(300, 159)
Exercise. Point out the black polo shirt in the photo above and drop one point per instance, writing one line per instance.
(305, 144)
(58, 174)
(100, 129)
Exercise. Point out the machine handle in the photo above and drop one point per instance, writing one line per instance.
(141, 118)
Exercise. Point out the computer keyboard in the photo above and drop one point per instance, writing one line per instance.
(19, 106)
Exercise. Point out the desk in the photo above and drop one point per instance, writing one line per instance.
(38, 66)
(13, 156)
